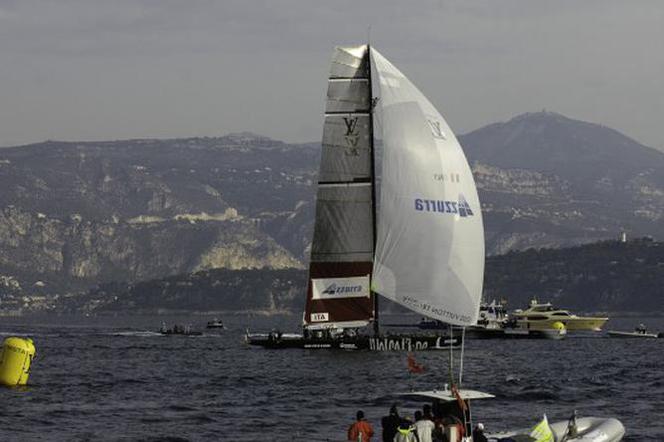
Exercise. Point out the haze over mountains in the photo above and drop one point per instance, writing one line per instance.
(73, 215)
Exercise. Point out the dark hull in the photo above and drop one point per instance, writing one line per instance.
(381, 343)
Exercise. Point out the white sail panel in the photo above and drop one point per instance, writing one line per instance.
(430, 242)
(347, 95)
(349, 62)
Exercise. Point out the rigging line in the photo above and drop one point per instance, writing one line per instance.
(376, 307)
(451, 357)
(463, 342)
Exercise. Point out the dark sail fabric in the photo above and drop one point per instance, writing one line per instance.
(338, 293)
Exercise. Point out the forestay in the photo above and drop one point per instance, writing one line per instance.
(430, 244)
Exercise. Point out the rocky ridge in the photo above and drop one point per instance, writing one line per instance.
(73, 215)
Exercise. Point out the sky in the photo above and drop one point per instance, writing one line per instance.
(117, 69)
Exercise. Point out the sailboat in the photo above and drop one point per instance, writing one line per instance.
(397, 215)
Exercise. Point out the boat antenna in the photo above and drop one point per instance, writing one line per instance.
(369, 35)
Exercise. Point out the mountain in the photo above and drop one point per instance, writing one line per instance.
(604, 276)
(547, 180)
(77, 214)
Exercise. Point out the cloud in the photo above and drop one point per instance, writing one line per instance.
(98, 69)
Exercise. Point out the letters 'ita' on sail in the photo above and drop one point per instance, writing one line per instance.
(397, 211)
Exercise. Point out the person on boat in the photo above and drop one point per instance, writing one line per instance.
(405, 432)
(427, 414)
(641, 329)
(478, 433)
(390, 424)
(423, 428)
(439, 426)
(361, 430)
(460, 427)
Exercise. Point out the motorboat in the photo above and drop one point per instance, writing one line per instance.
(627, 334)
(454, 405)
(494, 323)
(520, 329)
(542, 316)
(492, 316)
(215, 323)
(639, 332)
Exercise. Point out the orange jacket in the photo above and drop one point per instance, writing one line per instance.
(360, 428)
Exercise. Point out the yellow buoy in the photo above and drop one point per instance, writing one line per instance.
(15, 361)
(558, 325)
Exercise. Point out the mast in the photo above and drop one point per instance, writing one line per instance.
(376, 325)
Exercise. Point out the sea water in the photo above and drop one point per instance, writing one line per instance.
(117, 379)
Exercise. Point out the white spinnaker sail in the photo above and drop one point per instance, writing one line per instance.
(430, 240)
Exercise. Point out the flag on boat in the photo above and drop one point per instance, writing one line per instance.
(457, 395)
(413, 366)
(542, 432)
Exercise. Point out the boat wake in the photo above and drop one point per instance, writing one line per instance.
(140, 334)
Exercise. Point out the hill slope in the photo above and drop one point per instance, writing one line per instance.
(73, 215)
(604, 276)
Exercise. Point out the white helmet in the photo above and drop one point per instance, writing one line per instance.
(480, 426)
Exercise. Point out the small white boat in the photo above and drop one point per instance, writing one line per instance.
(639, 332)
(215, 323)
(585, 429)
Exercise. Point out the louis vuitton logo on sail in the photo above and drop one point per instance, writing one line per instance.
(436, 130)
(352, 136)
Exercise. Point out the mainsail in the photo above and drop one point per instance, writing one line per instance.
(422, 243)
(338, 292)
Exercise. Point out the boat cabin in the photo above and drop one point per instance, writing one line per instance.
(446, 405)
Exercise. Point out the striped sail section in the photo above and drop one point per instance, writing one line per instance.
(338, 292)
